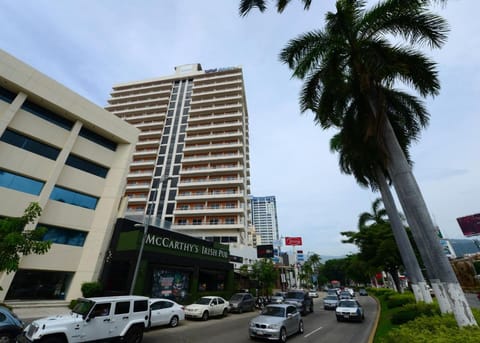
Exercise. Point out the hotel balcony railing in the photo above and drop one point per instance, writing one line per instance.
(211, 146)
(214, 126)
(147, 102)
(138, 109)
(232, 90)
(214, 135)
(134, 119)
(208, 157)
(139, 89)
(202, 118)
(213, 107)
(217, 99)
(148, 152)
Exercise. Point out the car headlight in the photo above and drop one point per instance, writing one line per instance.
(252, 324)
(274, 326)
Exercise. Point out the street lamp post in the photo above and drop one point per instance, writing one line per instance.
(145, 226)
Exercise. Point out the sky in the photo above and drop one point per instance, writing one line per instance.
(88, 46)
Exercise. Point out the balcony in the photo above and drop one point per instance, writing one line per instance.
(141, 174)
(140, 109)
(212, 170)
(220, 181)
(212, 147)
(137, 186)
(215, 100)
(225, 157)
(206, 109)
(139, 119)
(210, 196)
(150, 134)
(142, 164)
(208, 211)
(145, 153)
(215, 91)
(148, 143)
(213, 136)
(140, 89)
(147, 102)
(206, 226)
(137, 199)
(237, 124)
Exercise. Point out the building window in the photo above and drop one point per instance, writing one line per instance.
(29, 144)
(20, 183)
(182, 222)
(96, 138)
(65, 236)
(213, 221)
(39, 285)
(197, 221)
(230, 221)
(6, 95)
(47, 115)
(73, 198)
(86, 166)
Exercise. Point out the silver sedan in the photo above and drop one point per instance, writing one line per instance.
(276, 322)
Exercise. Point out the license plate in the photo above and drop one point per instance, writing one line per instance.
(346, 316)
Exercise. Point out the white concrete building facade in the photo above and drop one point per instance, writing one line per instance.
(70, 156)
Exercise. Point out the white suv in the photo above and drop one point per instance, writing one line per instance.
(94, 319)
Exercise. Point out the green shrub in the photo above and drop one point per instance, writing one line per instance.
(409, 312)
(382, 292)
(92, 289)
(436, 329)
(72, 304)
(399, 300)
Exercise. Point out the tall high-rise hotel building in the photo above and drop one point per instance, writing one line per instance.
(264, 218)
(190, 170)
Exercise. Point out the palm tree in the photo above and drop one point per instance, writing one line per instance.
(357, 157)
(350, 69)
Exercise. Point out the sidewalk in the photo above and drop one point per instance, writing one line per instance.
(28, 311)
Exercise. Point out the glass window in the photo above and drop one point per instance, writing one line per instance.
(96, 138)
(39, 285)
(122, 307)
(6, 95)
(86, 166)
(73, 198)
(140, 305)
(20, 183)
(61, 235)
(29, 144)
(47, 115)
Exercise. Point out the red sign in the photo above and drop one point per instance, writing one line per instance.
(293, 240)
(470, 225)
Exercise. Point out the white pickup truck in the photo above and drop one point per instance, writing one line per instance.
(117, 318)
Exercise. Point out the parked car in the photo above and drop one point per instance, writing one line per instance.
(349, 309)
(301, 299)
(94, 319)
(10, 325)
(206, 307)
(165, 312)
(362, 291)
(330, 302)
(313, 293)
(240, 302)
(332, 291)
(276, 322)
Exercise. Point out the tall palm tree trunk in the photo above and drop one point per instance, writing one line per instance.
(419, 286)
(424, 232)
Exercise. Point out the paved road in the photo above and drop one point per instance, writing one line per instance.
(320, 326)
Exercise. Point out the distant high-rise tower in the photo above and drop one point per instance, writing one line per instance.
(191, 168)
(264, 218)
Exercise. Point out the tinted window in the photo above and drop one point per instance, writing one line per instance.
(140, 305)
(20, 183)
(29, 144)
(86, 166)
(122, 307)
(220, 301)
(6, 95)
(3, 317)
(47, 115)
(96, 138)
(61, 235)
(74, 198)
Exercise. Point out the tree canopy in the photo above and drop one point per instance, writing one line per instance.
(15, 241)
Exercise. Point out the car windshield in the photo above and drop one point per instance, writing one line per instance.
(203, 301)
(331, 297)
(274, 311)
(236, 297)
(347, 304)
(294, 295)
(83, 306)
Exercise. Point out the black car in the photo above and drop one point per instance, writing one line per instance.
(10, 325)
(301, 300)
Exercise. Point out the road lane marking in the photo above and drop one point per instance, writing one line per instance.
(311, 333)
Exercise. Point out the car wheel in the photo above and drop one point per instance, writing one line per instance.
(339, 319)
(300, 327)
(225, 312)
(283, 335)
(240, 310)
(6, 338)
(205, 315)
(173, 322)
(134, 335)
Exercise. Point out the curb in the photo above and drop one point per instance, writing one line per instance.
(377, 319)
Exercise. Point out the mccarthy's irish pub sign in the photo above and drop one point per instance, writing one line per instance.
(167, 242)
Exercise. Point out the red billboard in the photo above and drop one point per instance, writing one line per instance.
(293, 240)
(470, 225)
